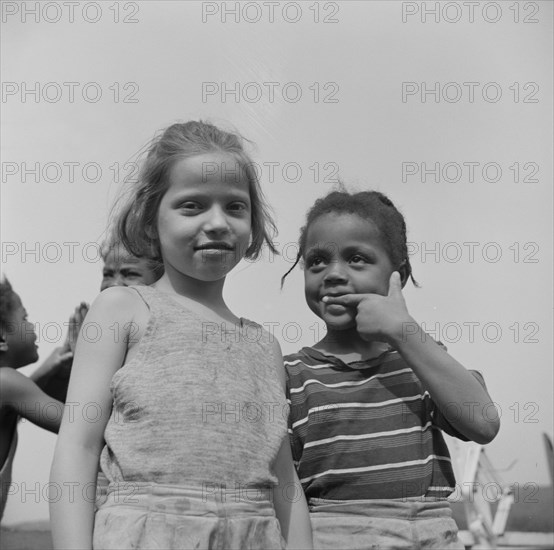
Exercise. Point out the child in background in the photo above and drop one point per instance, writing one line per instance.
(183, 471)
(369, 401)
(22, 396)
(124, 269)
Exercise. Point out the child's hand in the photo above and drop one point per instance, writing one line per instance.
(58, 363)
(379, 317)
(75, 321)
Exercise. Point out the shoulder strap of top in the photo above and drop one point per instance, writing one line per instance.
(145, 292)
(154, 299)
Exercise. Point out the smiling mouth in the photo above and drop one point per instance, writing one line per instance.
(214, 246)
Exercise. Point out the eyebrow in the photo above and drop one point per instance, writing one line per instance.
(365, 248)
(200, 190)
(316, 250)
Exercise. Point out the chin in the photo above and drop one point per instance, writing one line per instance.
(343, 322)
(338, 325)
(211, 277)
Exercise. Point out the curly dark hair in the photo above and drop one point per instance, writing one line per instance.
(7, 303)
(369, 205)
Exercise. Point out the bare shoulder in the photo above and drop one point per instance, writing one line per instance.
(120, 304)
(121, 311)
(117, 297)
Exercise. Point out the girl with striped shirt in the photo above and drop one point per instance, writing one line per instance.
(369, 401)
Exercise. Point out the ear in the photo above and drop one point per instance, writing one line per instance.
(403, 270)
(151, 232)
(3, 343)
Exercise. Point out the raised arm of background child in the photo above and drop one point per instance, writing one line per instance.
(289, 500)
(52, 377)
(76, 320)
(20, 394)
(80, 441)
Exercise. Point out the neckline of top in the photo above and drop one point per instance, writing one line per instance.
(352, 365)
(181, 305)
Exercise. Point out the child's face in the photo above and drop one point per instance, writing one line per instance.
(20, 337)
(204, 218)
(122, 269)
(344, 255)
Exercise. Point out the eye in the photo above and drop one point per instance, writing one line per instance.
(315, 261)
(190, 207)
(107, 273)
(358, 259)
(238, 207)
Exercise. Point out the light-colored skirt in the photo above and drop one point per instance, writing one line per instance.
(383, 524)
(152, 516)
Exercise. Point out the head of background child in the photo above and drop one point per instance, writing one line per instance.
(137, 222)
(123, 269)
(351, 243)
(17, 334)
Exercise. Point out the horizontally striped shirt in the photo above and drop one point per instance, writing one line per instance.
(366, 430)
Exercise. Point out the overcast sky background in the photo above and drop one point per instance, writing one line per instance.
(387, 92)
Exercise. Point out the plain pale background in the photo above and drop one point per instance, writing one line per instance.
(161, 62)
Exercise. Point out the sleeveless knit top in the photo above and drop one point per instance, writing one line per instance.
(201, 402)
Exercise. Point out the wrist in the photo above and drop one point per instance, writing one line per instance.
(405, 331)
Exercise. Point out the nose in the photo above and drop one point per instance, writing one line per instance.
(114, 280)
(119, 280)
(335, 274)
(216, 220)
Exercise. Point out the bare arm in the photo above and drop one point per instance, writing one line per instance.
(463, 401)
(21, 395)
(290, 503)
(80, 442)
(289, 500)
